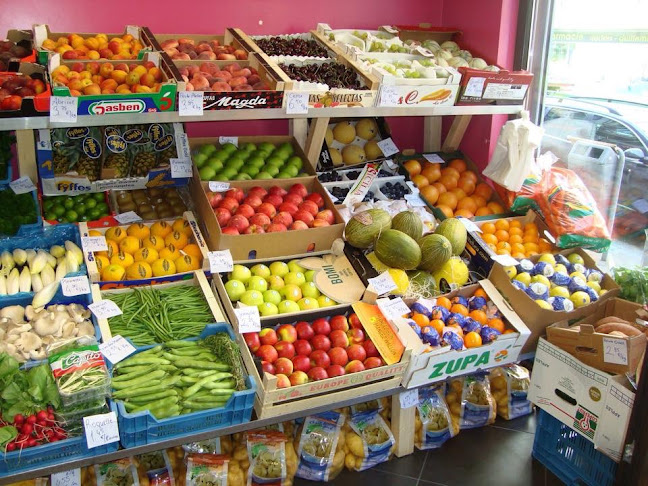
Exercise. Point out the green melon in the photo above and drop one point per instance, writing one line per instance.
(397, 250)
(422, 283)
(409, 223)
(456, 233)
(435, 251)
(363, 229)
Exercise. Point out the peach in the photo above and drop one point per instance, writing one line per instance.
(147, 80)
(156, 73)
(97, 79)
(74, 92)
(49, 44)
(93, 55)
(73, 75)
(76, 84)
(237, 81)
(105, 69)
(106, 53)
(221, 86)
(93, 89)
(226, 57)
(91, 43)
(109, 84)
(122, 66)
(140, 70)
(132, 79)
(61, 80)
(119, 76)
(61, 41)
(123, 88)
(78, 67)
(86, 82)
(85, 75)
(114, 46)
(208, 55)
(61, 69)
(93, 67)
(71, 54)
(139, 88)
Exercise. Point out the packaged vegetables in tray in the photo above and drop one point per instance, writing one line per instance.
(121, 472)
(319, 444)
(272, 458)
(471, 402)
(433, 424)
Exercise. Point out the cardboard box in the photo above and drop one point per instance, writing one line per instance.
(425, 31)
(267, 245)
(593, 403)
(22, 38)
(505, 87)
(442, 363)
(606, 353)
(37, 105)
(538, 319)
(229, 38)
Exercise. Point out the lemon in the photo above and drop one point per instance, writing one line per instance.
(453, 271)
(543, 304)
(510, 271)
(401, 280)
(378, 266)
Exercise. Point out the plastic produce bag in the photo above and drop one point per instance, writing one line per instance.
(207, 469)
(510, 385)
(382, 405)
(433, 423)
(271, 458)
(121, 472)
(319, 445)
(470, 401)
(368, 441)
(154, 469)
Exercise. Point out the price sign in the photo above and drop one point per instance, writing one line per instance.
(22, 185)
(506, 260)
(383, 283)
(296, 103)
(105, 309)
(388, 96)
(181, 168)
(392, 308)
(64, 109)
(423, 51)
(615, 351)
(128, 217)
(475, 87)
(248, 319)
(72, 286)
(469, 225)
(215, 186)
(220, 261)
(117, 349)
(190, 103)
(67, 478)
(433, 158)
(224, 140)
(94, 243)
(101, 429)
(415, 200)
(388, 147)
(409, 399)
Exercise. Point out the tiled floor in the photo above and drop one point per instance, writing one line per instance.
(498, 454)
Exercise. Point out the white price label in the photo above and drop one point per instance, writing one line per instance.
(105, 309)
(433, 158)
(415, 200)
(72, 286)
(383, 283)
(391, 164)
(388, 147)
(190, 103)
(296, 103)
(392, 308)
(128, 217)
(64, 109)
(101, 429)
(220, 261)
(506, 260)
(117, 349)
(475, 87)
(71, 477)
(409, 399)
(423, 51)
(412, 186)
(469, 225)
(615, 351)
(388, 96)
(94, 243)
(215, 186)
(22, 185)
(248, 319)
(181, 168)
(224, 140)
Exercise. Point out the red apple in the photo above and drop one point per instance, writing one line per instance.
(299, 189)
(319, 223)
(222, 216)
(356, 336)
(268, 336)
(268, 367)
(354, 366)
(356, 352)
(252, 340)
(354, 322)
(285, 350)
(252, 200)
(298, 378)
(273, 199)
(267, 353)
(304, 330)
(295, 199)
(316, 374)
(245, 210)
(335, 370)
(321, 326)
(298, 225)
(282, 381)
(239, 222)
(287, 207)
(301, 363)
(214, 198)
(317, 199)
(254, 229)
(229, 203)
(372, 362)
(338, 356)
(283, 218)
(257, 191)
(283, 366)
(276, 228)
(287, 332)
(279, 191)
(320, 341)
(303, 347)
(370, 349)
(339, 323)
(319, 357)
(326, 215)
(339, 339)
(260, 219)
(235, 193)
(267, 209)
(230, 231)
(309, 206)
(304, 216)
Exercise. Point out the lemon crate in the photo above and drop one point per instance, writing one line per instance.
(569, 455)
(141, 428)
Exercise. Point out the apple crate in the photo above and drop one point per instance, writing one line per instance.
(95, 276)
(37, 105)
(229, 40)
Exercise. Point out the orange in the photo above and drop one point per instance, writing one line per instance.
(531, 226)
(446, 210)
(467, 203)
(484, 190)
(466, 185)
(439, 325)
(161, 229)
(480, 316)
(516, 223)
(123, 259)
(440, 187)
(502, 224)
(444, 302)
(187, 263)
(483, 211)
(502, 235)
(170, 252)
(102, 262)
(504, 245)
(420, 180)
(458, 192)
(130, 244)
(544, 245)
(138, 230)
(496, 324)
(113, 248)
(509, 331)
(432, 173)
(530, 238)
(530, 247)
(502, 251)
(450, 171)
(458, 164)
(139, 270)
(430, 194)
(413, 167)
(193, 250)
(517, 247)
(448, 199)
(515, 238)
(472, 340)
(464, 213)
(518, 255)
(155, 242)
(113, 272)
(421, 319)
(480, 293)
(179, 240)
(497, 208)
(449, 181)
(163, 267)
(480, 200)
(146, 254)
(182, 226)
(492, 247)
(470, 175)
(459, 309)
(488, 228)
(515, 231)
(530, 254)
(115, 233)
(489, 238)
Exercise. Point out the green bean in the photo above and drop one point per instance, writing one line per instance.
(138, 382)
(149, 397)
(190, 363)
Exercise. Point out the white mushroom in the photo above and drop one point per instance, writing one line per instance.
(6, 323)
(86, 329)
(19, 329)
(48, 324)
(69, 329)
(28, 342)
(47, 340)
(38, 354)
(31, 313)
(78, 313)
(14, 312)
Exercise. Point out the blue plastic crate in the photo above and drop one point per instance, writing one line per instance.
(28, 229)
(569, 455)
(9, 178)
(142, 428)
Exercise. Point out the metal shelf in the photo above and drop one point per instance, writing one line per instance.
(38, 122)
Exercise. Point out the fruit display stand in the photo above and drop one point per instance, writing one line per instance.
(34, 105)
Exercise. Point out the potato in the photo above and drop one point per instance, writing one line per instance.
(499, 383)
(349, 461)
(455, 409)
(452, 397)
(240, 454)
(356, 446)
(338, 460)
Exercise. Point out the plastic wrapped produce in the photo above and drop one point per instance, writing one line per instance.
(368, 441)
(433, 423)
(207, 469)
(319, 445)
(510, 385)
(155, 469)
(117, 473)
(470, 401)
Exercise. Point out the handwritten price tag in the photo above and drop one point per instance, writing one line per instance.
(72, 286)
(383, 283)
(224, 140)
(388, 96)
(248, 319)
(215, 186)
(220, 261)
(415, 200)
(615, 351)
(64, 109)
(105, 309)
(392, 308)
(117, 349)
(296, 103)
(433, 158)
(22, 185)
(409, 399)
(190, 103)
(475, 87)
(181, 168)
(94, 243)
(101, 429)
(128, 217)
(67, 478)
(469, 225)
(388, 147)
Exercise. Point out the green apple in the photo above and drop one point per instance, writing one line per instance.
(274, 161)
(308, 304)
(268, 309)
(263, 175)
(229, 148)
(200, 159)
(229, 172)
(252, 297)
(279, 268)
(266, 147)
(310, 275)
(240, 273)
(309, 289)
(275, 282)
(261, 270)
(271, 169)
(288, 306)
(257, 283)
(207, 149)
(235, 163)
(287, 148)
(284, 175)
(235, 289)
(324, 301)
(248, 147)
(296, 278)
(294, 266)
(207, 174)
(291, 292)
(216, 164)
(250, 170)
(272, 296)
(256, 162)
(243, 177)
(295, 162)
(243, 154)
